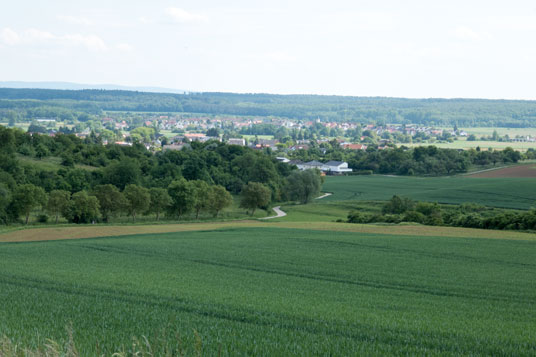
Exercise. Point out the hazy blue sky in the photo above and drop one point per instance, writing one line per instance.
(367, 48)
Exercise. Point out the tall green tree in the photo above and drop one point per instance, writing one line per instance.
(181, 193)
(201, 193)
(255, 195)
(111, 200)
(5, 199)
(160, 201)
(220, 198)
(303, 186)
(83, 208)
(28, 197)
(123, 173)
(58, 201)
(138, 200)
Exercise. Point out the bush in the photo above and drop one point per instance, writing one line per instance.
(398, 205)
(358, 217)
(42, 218)
(414, 216)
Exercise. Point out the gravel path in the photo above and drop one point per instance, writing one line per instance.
(278, 212)
(324, 195)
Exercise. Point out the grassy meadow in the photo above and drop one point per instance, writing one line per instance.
(269, 290)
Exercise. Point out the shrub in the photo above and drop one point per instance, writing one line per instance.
(398, 205)
(414, 216)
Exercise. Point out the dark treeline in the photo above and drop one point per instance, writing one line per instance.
(438, 112)
(87, 167)
(469, 215)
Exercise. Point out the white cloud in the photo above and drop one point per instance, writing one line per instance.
(467, 33)
(75, 20)
(38, 37)
(145, 20)
(124, 47)
(91, 42)
(9, 37)
(182, 16)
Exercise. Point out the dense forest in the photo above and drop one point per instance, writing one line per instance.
(437, 112)
(88, 173)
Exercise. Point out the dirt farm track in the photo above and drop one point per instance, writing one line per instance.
(526, 170)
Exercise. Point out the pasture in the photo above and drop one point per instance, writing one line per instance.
(267, 289)
(514, 193)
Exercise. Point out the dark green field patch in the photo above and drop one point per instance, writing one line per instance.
(518, 193)
(274, 291)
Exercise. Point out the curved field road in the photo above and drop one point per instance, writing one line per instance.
(278, 212)
(324, 195)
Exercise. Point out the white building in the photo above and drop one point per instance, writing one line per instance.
(337, 167)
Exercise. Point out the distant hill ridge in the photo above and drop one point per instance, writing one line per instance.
(79, 86)
(432, 111)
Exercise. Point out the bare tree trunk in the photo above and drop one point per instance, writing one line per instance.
(27, 217)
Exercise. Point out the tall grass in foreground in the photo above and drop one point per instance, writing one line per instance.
(139, 347)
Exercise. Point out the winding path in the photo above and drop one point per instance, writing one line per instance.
(324, 195)
(278, 212)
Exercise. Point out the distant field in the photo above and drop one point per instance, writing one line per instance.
(511, 132)
(517, 193)
(513, 171)
(274, 291)
(484, 145)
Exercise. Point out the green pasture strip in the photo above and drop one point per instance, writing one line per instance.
(516, 193)
(274, 291)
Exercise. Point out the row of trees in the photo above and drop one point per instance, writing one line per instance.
(470, 215)
(105, 202)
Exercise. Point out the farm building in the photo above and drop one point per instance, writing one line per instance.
(337, 167)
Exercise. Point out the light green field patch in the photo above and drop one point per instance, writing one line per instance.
(273, 291)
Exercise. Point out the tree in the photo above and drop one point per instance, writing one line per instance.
(182, 197)
(398, 205)
(160, 200)
(255, 195)
(137, 199)
(201, 194)
(26, 198)
(111, 200)
(83, 208)
(220, 198)
(58, 201)
(123, 173)
(213, 132)
(303, 185)
(5, 199)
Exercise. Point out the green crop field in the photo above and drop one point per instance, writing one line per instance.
(515, 193)
(273, 291)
